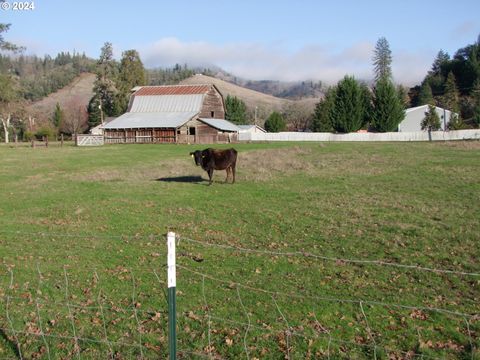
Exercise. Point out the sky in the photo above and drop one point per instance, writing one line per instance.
(287, 40)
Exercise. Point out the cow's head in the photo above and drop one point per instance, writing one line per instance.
(197, 155)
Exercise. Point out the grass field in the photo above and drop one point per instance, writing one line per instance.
(265, 265)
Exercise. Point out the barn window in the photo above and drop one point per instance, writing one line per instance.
(191, 131)
(212, 114)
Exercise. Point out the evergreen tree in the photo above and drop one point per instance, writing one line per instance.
(321, 117)
(350, 107)
(425, 96)
(476, 102)
(275, 122)
(431, 121)
(104, 88)
(131, 74)
(235, 110)
(451, 97)
(5, 45)
(439, 63)
(456, 122)
(58, 117)
(94, 112)
(387, 110)
(382, 59)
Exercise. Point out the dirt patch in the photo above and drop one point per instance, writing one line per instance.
(164, 169)
(265, 165)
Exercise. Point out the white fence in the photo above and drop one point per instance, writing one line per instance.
(392, 136)
(89, 140)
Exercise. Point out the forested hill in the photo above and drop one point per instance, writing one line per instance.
(76, 94)
(38, 77)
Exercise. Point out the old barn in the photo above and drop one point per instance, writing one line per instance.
(173, 114)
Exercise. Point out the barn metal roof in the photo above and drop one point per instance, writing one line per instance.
(172, 90)
(139, 120)
(220, 124)
(167, 103)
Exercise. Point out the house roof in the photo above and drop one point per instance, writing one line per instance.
(139, 120)
(172, 90)
(167, 103)
(424, 107)
(220, 124)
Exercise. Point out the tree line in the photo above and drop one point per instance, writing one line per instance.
(352, 105)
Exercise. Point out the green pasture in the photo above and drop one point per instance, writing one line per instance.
(265, 266)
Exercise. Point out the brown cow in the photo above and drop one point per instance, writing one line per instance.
(215, 159)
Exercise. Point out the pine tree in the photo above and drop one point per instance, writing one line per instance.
(387, 108)
(58, 117)
(451, 96)
(382, 60)
(104, 88)
(321, 117)
(439, 62)
(476, 102)
(275, 122)
(235, 110)
(350, 107)
(131, 74)
(5, 45)
(425, 96)
(431, 121)
(94, 112)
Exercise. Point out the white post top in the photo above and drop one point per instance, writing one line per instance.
(172, 276)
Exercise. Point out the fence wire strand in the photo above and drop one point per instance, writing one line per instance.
(329, 299)
(332, 259)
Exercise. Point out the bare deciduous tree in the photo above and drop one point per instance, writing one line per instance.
(76, 117)
(298, 116)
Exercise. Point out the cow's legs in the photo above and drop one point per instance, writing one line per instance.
(229, 169)
(233, 172)
(210, 175)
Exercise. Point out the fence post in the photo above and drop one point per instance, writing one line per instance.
(172, 283)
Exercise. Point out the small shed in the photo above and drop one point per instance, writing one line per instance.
(246, 131)
(173, 114)
(414, 116)
(253, 129)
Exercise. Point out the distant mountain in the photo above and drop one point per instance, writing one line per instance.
(264, 102)
(259, 105)
(289, 90)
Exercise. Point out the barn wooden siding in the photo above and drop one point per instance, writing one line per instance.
(130, 136)
(203, 134)
(213, 106)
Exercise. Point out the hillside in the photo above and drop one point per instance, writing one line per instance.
(78, 92)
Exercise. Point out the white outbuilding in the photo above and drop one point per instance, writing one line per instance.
(415, 115)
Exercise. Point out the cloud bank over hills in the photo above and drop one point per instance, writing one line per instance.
(256, 61)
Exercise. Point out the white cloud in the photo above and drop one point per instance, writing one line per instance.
(258, 62)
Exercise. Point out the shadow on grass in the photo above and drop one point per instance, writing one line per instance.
(11, 343)
(182, 179)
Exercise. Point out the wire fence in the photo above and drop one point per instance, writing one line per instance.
(60, 308)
